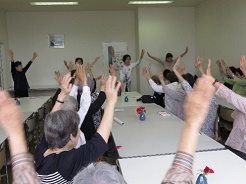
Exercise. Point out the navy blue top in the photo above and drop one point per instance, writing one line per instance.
(20, 81)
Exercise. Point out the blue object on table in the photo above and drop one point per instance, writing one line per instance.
(17, 101)
(201, 179)
(142, 116)
(126, 99)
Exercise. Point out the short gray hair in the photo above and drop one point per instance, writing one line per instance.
(70, 103)
(99, 173)
(58, 126)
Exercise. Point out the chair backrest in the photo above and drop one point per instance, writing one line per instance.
(225, 113)
(31, 122)
(41, 112)
(2, 155)
(47, 107)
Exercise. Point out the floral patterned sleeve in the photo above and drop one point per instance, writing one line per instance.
(181, 170)
(186, 86)
(23, 169)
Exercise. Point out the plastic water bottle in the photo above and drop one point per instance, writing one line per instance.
(126, 99)
(17, 101)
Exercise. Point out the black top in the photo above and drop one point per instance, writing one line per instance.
(20, 81)
(88, 127)
(159, 99)
(62, 167)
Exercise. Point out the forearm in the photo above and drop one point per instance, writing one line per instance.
(27, 66)
(59, 102)
(189, 138)
(74, 91)
(179, 76)
(85, 102)
(155, 87)
(105, 126)
(23, 169)
(17, 141)
(200, 69)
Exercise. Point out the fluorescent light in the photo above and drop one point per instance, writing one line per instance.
(53, 3)
(150, 2)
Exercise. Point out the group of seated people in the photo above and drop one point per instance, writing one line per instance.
(75, 137)
(176, 85)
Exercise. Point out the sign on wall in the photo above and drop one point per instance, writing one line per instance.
(118, 49)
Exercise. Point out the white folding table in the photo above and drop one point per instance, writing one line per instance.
(156, 135)
(228, 168)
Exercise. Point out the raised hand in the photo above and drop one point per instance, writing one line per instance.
(11, 55)
(208, 72)
(145, 73)
(199, 61)
(181, 69)
(148, 54)
(142, 54)
(96, 59)
(175, 66)
(186, 49)
(65, 84)
(112, 90)
(34, 56)
(195, 109)
(243, 64)
(112, 70)
(10, 115)
(70, 66)
(58, 77)
(218, 62)
(81, 74)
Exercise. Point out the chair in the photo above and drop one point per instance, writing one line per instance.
(31, 127)
(41, 115)
(3, 162)
(47, 107)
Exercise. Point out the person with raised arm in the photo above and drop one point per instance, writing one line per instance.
(195, 113)
(21, 85)
(235, 79)
(169, 62)
(236, 141)
(208, 125)
(125, 69)
(11, 121)
(56, 160)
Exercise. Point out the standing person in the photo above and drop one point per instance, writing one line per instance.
(125, 69)
(21, 85)
(169, 62)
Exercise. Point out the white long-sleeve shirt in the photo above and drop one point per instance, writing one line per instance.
(85, 102)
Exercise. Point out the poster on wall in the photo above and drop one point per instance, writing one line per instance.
(114, 49)
(56, 41)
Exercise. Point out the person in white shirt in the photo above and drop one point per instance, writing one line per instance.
(125, 69)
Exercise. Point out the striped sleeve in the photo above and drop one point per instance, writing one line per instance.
(23, 169)
(181, 170)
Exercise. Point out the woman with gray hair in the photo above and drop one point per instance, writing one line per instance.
(100, 173)
(56, 160)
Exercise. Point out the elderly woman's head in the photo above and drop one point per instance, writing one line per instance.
(61, 129)
(99, 173)
(70, 103)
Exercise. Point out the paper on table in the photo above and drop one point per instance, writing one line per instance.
(119, 110)
(119, 121)
(164, 113)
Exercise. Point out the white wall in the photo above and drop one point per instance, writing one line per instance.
(163, 30)
(221, 31)
(4, 40)
(84, 33)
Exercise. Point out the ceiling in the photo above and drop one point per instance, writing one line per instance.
(86, 5)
